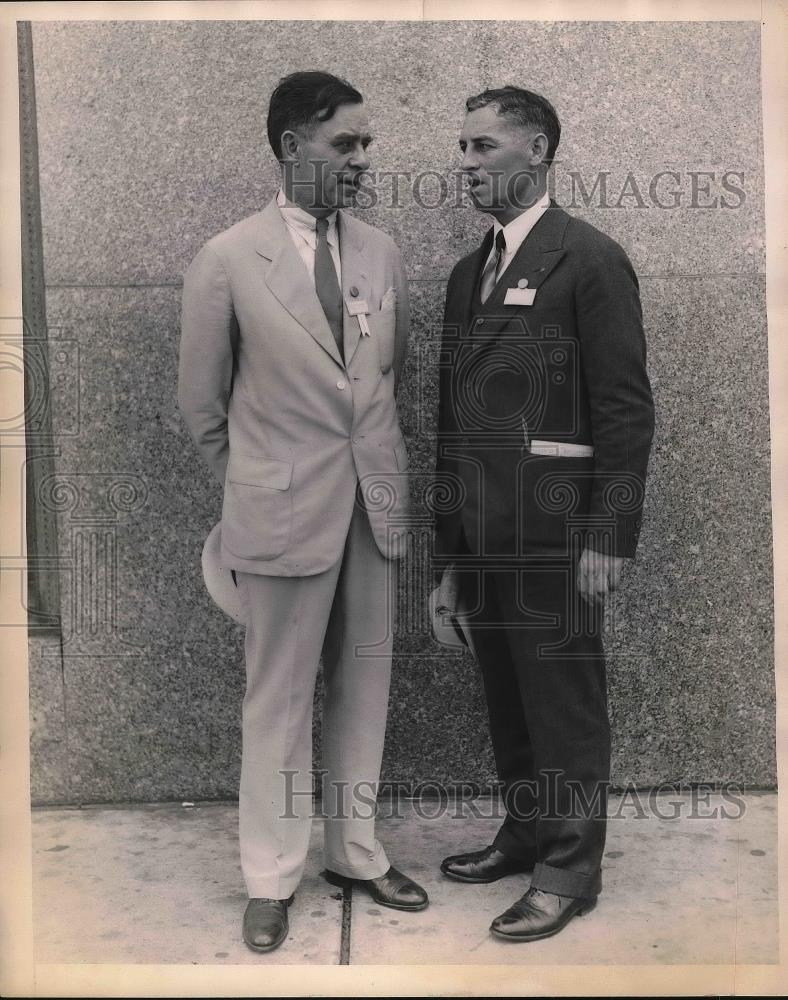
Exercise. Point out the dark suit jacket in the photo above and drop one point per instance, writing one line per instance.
(571, 367)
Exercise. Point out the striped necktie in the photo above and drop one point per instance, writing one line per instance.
(490, 272)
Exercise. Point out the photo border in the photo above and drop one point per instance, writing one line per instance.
(19, 976)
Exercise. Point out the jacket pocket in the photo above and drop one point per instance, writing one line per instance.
(382, 325)
(257, 513)
(553, 492)
(257, 470)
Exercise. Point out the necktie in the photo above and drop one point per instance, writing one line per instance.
(490, 272)
(327, 285)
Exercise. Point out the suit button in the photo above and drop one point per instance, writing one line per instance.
(341, 384)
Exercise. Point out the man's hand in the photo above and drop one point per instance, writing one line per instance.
(598, 574)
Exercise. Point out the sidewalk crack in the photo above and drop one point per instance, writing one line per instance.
(347, 910)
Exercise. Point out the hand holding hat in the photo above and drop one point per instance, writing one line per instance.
(445, 604)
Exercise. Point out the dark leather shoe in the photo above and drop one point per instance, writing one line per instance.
(265, 923)
(539, 915)
(483, 866)
(392, 889)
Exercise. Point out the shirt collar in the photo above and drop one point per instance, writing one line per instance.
(516, 231)
(304, 224)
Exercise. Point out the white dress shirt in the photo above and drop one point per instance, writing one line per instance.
(302, 228)
(517, 230)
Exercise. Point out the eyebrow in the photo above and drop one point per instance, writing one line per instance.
(345, 136)
(478, 138)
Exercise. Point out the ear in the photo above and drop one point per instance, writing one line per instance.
(539, 146)
(290, 143)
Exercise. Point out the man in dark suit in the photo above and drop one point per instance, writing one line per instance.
(545, 427)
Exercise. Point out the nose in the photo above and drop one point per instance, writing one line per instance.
(360, 158)
(468, 160)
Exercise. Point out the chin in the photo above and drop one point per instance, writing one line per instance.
(479, 203)
(347, 198)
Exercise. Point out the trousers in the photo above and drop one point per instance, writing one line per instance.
(347, 613)
(539, 648)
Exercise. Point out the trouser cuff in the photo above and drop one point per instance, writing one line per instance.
(271, 888)
(564, 882)
(373, 870)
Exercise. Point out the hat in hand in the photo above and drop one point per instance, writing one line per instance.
(445, 605)
(218, 580)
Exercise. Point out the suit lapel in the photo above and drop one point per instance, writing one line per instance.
(288, 279)
(470, 283)
(355, 275)
(541, 251)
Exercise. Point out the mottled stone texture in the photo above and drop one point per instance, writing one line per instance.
(152, 139)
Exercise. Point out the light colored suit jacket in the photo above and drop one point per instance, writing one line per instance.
(286, 427)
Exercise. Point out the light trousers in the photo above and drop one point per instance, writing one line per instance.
(348, 613)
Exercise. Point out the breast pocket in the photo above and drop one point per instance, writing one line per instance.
(382, 325)
(257, 513)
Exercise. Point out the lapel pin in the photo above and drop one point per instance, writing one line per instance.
(353, 291)
(522, 283)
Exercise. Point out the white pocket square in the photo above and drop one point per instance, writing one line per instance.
(519, 297)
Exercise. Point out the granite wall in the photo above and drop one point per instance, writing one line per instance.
(152, 139)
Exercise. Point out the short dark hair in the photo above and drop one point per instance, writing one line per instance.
(300, 100)
(527, 108)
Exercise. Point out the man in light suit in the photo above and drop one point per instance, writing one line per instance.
(293, 340)
(545, 425)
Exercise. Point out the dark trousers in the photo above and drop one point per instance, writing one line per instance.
(539, 647)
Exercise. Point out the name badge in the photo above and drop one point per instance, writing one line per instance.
(357, 306)
(519, 297)
(359, 309)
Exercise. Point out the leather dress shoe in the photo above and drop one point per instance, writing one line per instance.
(487, 865)
(265, 923)
(392, 889)
(538, 915)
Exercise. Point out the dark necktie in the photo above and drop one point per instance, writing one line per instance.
(490, 272)
(327, 285)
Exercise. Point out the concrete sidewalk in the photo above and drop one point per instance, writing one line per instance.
(162, 884)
